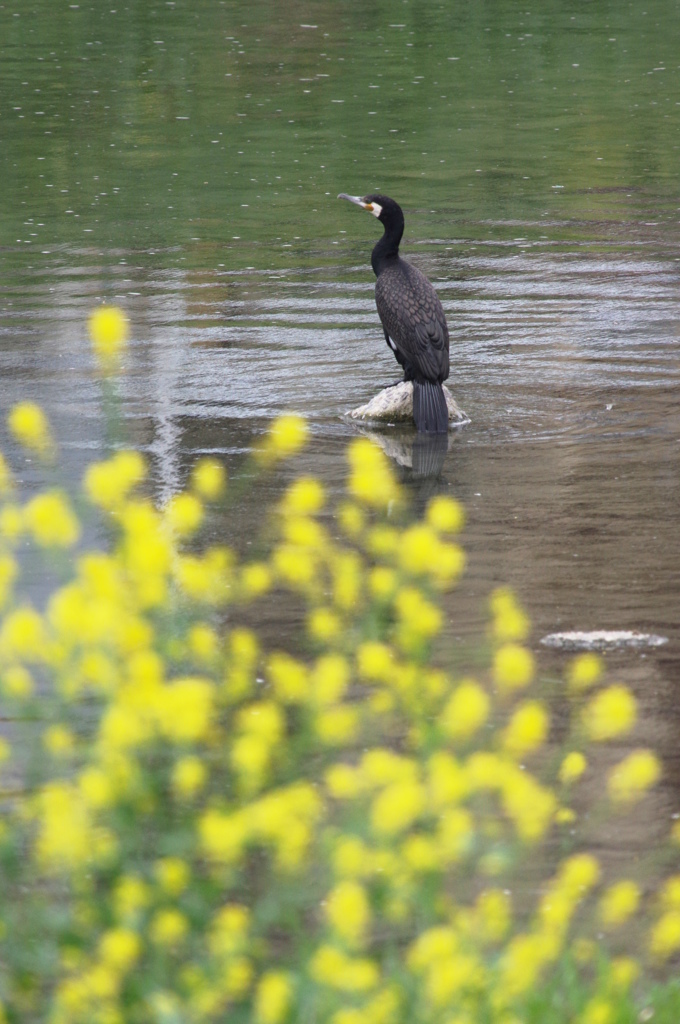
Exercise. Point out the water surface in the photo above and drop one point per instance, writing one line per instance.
(182, 159)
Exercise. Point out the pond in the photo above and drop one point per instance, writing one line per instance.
(183, 159)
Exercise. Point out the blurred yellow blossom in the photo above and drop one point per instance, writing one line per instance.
(445, 514)
(629, 780)
(172, 875)
(348, 912)
(572, 767)
(58, 740)
(618, 903)
(509, 622)
(371, 478)
(304, 497)
(664, 935)
(466, 710)
(272, 998)
(209, 479)
(188, 777)
(108, 483)
(168, 927)
(287, 435)
(51, 520)
(29, 425)
(526, 730)
(513, 667)
(611, 712)
(184, 514)
(120, 948)
(109, 330)
(584, 671)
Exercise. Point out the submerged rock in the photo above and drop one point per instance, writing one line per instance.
(395, 405)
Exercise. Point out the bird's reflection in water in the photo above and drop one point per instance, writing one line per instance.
(421, 454)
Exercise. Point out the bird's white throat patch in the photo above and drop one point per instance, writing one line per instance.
(376, 209)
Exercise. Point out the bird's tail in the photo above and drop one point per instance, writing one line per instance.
(430, 411)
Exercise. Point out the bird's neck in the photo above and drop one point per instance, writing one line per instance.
(386, 250)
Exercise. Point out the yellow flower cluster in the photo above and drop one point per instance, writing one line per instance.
(321, 830)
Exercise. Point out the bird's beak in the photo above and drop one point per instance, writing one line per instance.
(357, 200)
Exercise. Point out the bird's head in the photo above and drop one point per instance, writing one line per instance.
(382, 207)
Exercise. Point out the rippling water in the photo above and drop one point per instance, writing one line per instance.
(536, 159)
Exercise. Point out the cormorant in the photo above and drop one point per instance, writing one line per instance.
(411, 315)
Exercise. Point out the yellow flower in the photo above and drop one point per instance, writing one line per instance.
(58, 740)
(445, 514)
(664, 937)
(397, 807)
(131, 896)
(618, 903)
(28, 424)
(188, 777)
(584, 671)
(17, 682)
(492, 915)
(109, 331)
(209, 479)
(329, 966)
(418, 619)
(348, 912)
(526, 730)
(222, 836)
(597, 1010)
(371, 479)
(256, 579)
(119, 948)
(184, 514)
(172, 875)
(329, 679)
(107, 484)
(337, 725)
(64, 840)
(447, 781)
(11, 523)
(228, 934)
(509, 621)
(572, 767)
(304, 497)
(288, 678)
(611, 712)
(466, 711)
(630, 779)
(168, 927)
(273, 997)
(51, 520)
(187, 709)
(23, 636)
(513, 667)
(375, 662)
(419, 549)
(323, 625)
(96, 787)
(287, 436)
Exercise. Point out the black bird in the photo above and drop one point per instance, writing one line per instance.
(412, 317)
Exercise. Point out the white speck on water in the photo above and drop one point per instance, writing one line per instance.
(602, 639)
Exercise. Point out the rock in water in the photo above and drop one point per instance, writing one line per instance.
(395, 405)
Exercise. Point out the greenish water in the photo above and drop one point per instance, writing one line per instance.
(183, 159)
(185, 124)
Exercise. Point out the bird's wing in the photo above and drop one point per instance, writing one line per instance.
(412, 316)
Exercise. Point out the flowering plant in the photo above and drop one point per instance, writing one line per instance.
(200, 828)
